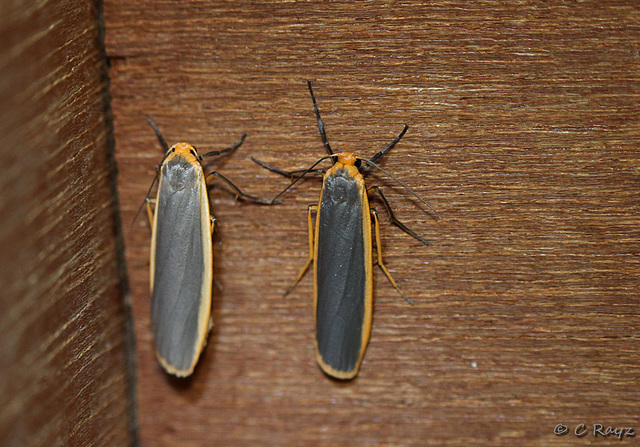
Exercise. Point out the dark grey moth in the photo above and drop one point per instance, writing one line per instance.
(341, 250)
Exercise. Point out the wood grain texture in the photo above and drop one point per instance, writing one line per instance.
(64, 374)
(524, 136)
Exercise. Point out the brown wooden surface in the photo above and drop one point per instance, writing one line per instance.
(524, 136)
(64, 374)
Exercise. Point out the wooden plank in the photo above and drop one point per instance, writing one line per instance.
(64, 378)
(524, 136)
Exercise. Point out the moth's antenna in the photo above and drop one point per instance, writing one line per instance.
(302, 175)
(401, 183)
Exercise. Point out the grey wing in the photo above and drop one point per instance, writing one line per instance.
(179, 272)
(341, 281)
